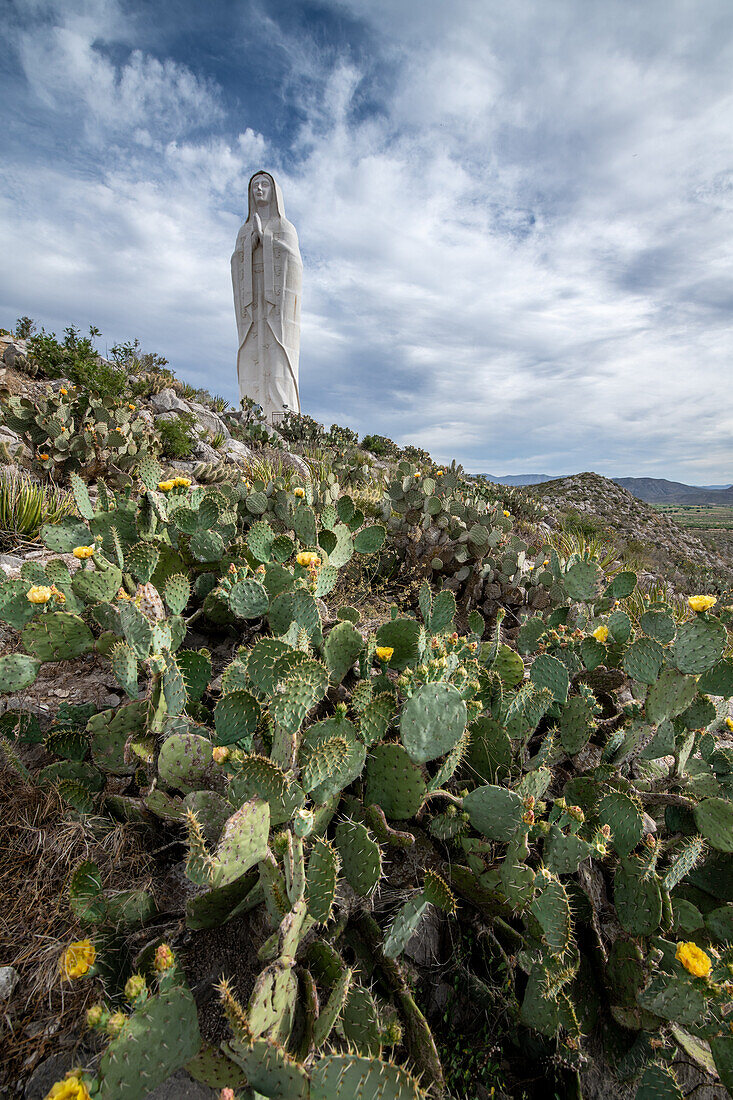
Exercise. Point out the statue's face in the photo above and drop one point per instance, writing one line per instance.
(261, 189)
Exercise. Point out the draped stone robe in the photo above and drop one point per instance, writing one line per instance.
(267, 283)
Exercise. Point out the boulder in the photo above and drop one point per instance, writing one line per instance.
(235, 452)
(208, 419)
(202, 452)
(16, 355)
(168, 401)
(11, 439)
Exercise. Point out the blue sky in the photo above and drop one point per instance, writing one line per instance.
(515, 219)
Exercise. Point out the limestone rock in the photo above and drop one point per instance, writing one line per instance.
(208, 419)
(9, 978)
(16, 355)
(202, 452)
(235, 452)
(168, 401)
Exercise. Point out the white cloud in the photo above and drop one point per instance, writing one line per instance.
(519, 259)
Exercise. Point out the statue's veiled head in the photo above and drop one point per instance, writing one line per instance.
(262, 188)
(264, 196)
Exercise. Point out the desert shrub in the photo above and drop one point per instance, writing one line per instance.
(380, 445)
(177, 437)
(24, 327)
(78, 361)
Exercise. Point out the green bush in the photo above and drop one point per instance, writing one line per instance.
(78, 360)
(380, 445)
(177, 437)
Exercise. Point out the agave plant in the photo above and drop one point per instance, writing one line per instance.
(26, 504)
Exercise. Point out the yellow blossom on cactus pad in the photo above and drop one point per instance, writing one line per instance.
(63, 390)
(220, 754)
(43, 457)
(601, 634)
(417, 473)
(57, 595)
(163, 958)
(694, 959)
(308, 558)
(122, 595)
(78, 958)
(729, 723)
(384, 652)
(83, 552)
(71, 1088)
(166, 486)
(546, 561)
(507, 514)
(39, 593)
(299, 491)
(438, 473)
(702, 603)
(181, 482)
(131, 406)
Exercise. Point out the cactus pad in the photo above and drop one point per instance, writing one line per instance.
(432, 722)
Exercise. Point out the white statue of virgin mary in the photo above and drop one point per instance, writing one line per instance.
(267, 275)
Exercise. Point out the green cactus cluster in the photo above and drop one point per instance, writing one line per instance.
(565, 779)
(67, 430)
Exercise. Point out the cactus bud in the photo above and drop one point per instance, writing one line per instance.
(135, 986)
(95, 1015)
(164, 959)
(606, 830)
(220, 754)
(115, 1024)
(227, 1094)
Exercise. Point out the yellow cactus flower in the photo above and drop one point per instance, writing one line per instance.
(601, 634)
(64, 391)
(531, 567)
(702, 603)
(83, 552)
(384, 652)
(163, 958)
(299, 491)
(220, 754)
(181, 482)
(417, 473)
(78, 958)
(166, 486)
(308, 558)
(694, 959)
(43, 456)
(131, 406)
(507, 514)
(122, 595)
(438, 473)
(729, 723)
(57, 595)
(546, 561)
(71, 1088)
(39, 593)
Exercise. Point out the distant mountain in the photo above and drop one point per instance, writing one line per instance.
(655, 490)
(522, 479)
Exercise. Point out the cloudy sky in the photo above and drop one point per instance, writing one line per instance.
(515, 218)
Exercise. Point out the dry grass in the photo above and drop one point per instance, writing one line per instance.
(40, 845)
